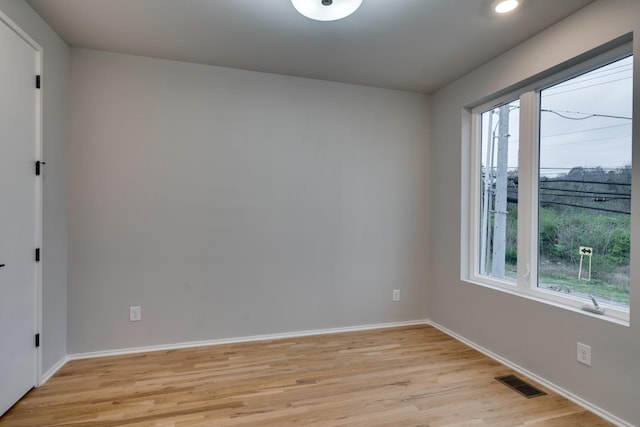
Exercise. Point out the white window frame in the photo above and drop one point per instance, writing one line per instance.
(526, 284)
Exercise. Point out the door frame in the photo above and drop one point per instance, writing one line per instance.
(38, 151)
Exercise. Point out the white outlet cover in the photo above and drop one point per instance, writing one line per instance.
(396, 294)
(584, 354)
(135, 314)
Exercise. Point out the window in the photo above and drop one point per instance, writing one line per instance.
(498, 249)
(550, 186)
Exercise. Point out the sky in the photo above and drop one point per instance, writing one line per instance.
(570, 134)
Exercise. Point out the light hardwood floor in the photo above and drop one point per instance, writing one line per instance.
(410, 376)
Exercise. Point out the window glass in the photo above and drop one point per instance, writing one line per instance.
(550, 186)
(584, 184)
(499, 192)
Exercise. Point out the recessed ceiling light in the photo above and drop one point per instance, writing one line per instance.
(326, 10)
(505, 6)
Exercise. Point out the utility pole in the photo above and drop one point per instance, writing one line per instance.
(500, 214)
(486, 201)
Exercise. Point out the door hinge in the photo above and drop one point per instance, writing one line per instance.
(38, 164)
(37, 254)
(37, 340)
(38, 81)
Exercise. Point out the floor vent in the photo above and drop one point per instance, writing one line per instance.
(522, 387)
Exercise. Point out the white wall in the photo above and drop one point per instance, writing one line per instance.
(55, 93)
(230, 203)
(538, 337)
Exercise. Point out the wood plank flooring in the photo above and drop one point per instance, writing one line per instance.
(410, 376)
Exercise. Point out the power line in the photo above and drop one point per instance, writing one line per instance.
(612, 168)
(583, 196)
(586, 196)
(589, 115)
(513, 141)
(514, 200)
(585, 130)
(611, 193)
(583, 182)
(585, 207)
(586, 87)
(584, 141)
(591, 76)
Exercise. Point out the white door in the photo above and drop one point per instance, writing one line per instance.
(18, 274)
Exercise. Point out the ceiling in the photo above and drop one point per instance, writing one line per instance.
(414, 45)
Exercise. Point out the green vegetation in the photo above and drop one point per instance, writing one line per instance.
(582, 208)
(562, 234)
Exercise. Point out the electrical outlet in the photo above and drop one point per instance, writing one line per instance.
(396, 294)
(135, 314)
(584, 354)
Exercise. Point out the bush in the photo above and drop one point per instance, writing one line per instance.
(562, 232)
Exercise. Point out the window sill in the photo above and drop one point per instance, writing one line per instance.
(532, 297)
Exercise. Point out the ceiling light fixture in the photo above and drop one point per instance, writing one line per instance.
(505, 6)
(326, 10)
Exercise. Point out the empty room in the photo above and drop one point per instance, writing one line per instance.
(319, 213)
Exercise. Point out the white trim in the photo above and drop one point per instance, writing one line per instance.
(528, 190)
(474, 215)
(526, 283)
(561, 391)
(39, 212)
(52, 371)
(574, 398)
(237, 340)
(16, 29)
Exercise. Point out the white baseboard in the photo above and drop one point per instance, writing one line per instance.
(191, 344)
(567, 394)
(123, 351)
(55, 368)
